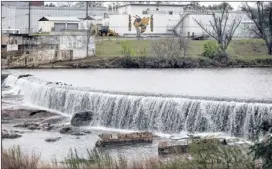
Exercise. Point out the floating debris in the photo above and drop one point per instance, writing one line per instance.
(124, 139)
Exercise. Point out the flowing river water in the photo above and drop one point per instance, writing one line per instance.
(227, 102)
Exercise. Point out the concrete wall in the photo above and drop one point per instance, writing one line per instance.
(161, 22)
(45, 26)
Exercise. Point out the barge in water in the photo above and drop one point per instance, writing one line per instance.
(124, 139)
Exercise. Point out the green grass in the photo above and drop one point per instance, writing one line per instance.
(204, 154)
(243, 49)
(111, 48)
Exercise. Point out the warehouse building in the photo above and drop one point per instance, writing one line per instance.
(17, 17)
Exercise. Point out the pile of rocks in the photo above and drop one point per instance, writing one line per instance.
(10, 135)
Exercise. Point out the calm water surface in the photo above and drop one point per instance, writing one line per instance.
(246, 83)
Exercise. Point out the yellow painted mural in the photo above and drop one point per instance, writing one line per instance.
(141, 23)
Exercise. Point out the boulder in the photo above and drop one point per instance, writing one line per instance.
(46, 127)
(82, 118)
(10, 135)
(52, 139)
(26, 75)
(66, 130)
(28, 125)
(15, 114)
(74, 131)
(33, 127)
(78, 133)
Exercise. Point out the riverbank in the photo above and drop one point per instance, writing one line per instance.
(153, 62)
(242, 53)
(202, 155)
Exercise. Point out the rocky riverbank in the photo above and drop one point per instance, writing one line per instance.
(32, 119)
(154, 62)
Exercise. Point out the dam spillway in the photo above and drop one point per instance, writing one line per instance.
(144, 112)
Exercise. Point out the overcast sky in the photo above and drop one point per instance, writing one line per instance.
(235, 5)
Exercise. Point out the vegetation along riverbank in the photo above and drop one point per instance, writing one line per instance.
(202, 155)
(165, 53)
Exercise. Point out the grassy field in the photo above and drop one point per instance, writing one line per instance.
(244, 49)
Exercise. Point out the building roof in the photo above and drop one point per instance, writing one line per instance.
(66, 18)
(89, 18)
(141, 4)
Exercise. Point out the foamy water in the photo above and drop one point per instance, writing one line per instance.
(170, 117)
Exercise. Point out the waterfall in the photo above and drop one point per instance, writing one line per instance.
(163, 114)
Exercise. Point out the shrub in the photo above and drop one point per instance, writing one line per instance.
(167, 48)
(263, 149)
(126, 49)
(212, 154)
(14, 158)
(211, 50)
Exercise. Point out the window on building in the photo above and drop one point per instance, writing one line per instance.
(170, 12)
(147, 9)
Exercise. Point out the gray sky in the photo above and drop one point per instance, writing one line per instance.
(235, 5)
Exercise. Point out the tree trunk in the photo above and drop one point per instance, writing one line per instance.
(269, 46)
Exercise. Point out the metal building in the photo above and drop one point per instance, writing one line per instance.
(18, 17)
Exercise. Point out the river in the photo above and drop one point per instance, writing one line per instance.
(166, 101)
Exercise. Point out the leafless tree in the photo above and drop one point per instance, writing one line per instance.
(183, 40)
(221, 30)
(168, 48)
(90, 4)
(261, 15)
(65, 4)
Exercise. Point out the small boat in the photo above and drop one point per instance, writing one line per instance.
(124, 139)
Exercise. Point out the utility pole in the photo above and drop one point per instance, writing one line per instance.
(29, 3)
(88, 29)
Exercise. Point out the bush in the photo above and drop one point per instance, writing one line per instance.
(263, 150)
(13, 158)
(167, 48)
(126, 49)
(212, 154)
(211, 50)
(203, 155)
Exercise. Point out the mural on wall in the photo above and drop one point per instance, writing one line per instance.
(141, 24)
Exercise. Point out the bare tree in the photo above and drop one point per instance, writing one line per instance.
(65, 4)
(167, 48)
(90, 4)
(262, 18)
(221, 30)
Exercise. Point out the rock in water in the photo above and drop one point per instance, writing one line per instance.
(82, 118)
(10, 135)
(26, 75)
(52, 139)
(66, 130)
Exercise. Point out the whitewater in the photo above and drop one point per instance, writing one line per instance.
(141, 111)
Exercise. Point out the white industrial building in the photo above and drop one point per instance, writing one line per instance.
(17, 17)
(48, 24)
(168, 19)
